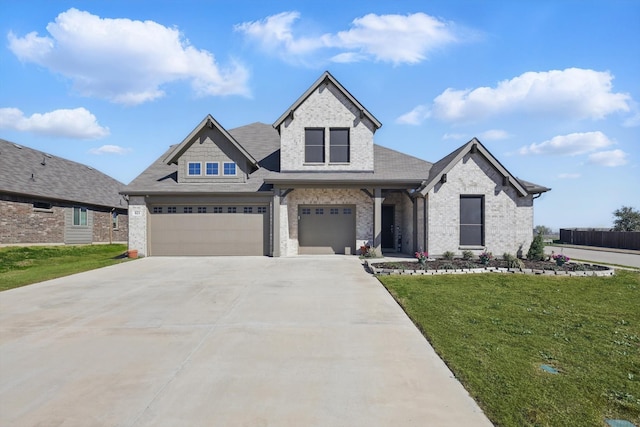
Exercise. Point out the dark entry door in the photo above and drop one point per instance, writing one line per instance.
(387, 227)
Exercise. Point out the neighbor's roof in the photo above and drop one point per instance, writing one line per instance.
(262, 141)
(32, 173)
(327, 77)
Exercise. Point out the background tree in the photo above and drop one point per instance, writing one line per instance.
(627, 219)
(542, 229)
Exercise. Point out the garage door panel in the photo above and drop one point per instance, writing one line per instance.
(326, 229)
(209, 234)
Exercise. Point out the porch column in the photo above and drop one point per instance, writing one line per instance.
(377, 220)
(276, 223)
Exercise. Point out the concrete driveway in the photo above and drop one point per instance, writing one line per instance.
(304, 341)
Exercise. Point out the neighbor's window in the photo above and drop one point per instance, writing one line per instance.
(229, 168)
(472, 220)
(194, 168)
(41, 205)
(114, 220)
(314, 145)
(211, 168)
(79, 216)
(339, 145)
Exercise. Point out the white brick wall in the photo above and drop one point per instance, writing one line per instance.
(289, 214)
(508, 217)
(138, 224)
(326, 108)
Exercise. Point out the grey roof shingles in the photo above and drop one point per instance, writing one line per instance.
(263, 142)
(32, 173)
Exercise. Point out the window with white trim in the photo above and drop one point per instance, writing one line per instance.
(194, 169)
(211, 168)
(114, 220)
(80, 216)
(229, 168)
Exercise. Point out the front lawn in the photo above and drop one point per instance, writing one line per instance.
(495, 331)
(21, 266)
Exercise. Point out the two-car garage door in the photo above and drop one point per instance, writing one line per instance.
(208, 230)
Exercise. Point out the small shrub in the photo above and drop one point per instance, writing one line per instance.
(447, 266)
(485, 257)
(467, 255)
(468, 264)
(448, 255)
(512, 261)
(536, 250)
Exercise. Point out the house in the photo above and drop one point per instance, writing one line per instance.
(45, 199)
(315, 182)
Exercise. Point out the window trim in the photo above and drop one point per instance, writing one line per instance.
(324, 143)
(482, 222)
(80, 209)
(206, 168)
(348, 145)
(189, 168)
(224, 169)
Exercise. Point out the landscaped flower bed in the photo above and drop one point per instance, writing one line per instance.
(463, 266)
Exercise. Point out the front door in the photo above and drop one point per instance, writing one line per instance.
(387, 227)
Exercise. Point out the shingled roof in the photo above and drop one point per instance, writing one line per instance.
(32, 173)
(262, 141)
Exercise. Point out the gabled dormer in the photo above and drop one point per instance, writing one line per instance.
(211, 155)
(327, 130)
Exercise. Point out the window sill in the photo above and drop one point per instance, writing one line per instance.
(471, 247)
(339, 163)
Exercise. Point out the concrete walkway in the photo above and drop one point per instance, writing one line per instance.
(612, 256)
(304, 341)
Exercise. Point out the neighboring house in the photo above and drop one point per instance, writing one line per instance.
(314, 182)
(45, 199)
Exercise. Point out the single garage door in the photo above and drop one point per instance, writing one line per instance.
(208, 230)
(327, 229)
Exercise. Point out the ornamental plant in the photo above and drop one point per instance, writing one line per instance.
(560, 259)
(485, 257)
(422, 257)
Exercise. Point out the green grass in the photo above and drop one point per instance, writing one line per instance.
(494, 331)
(21, 266)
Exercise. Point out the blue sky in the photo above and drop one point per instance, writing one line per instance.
(551, 88)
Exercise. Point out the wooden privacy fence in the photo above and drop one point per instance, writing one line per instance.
(604, 239)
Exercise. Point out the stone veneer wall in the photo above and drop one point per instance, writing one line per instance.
(326, 108)
(138, 213)
(508, 217)
(21, 223)
(102, 224)
(312, 196)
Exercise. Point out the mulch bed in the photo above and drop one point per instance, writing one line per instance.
(458, 263)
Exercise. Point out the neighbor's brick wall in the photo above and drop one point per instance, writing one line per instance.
(310, 196)
(326, 108)
(206, 150)
(138, 213)
(102, 224)
(508, 217)
(21, 223)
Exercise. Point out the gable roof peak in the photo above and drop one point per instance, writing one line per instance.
(327, 78)
(211, 123)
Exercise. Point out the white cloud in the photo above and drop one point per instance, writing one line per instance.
(569, 176)
(110, 149)
(611, 158)
(125, 61)
(572, 144)
(415, 116)
(494, 134)
(571, 93)
(77, 123)
(387, 38)
(456, 136)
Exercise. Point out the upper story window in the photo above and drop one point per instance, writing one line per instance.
(79, 216)
(314, 145)
(194, 169)
(472, 220)
(211, 168)
(229, 168)
(339, 145)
